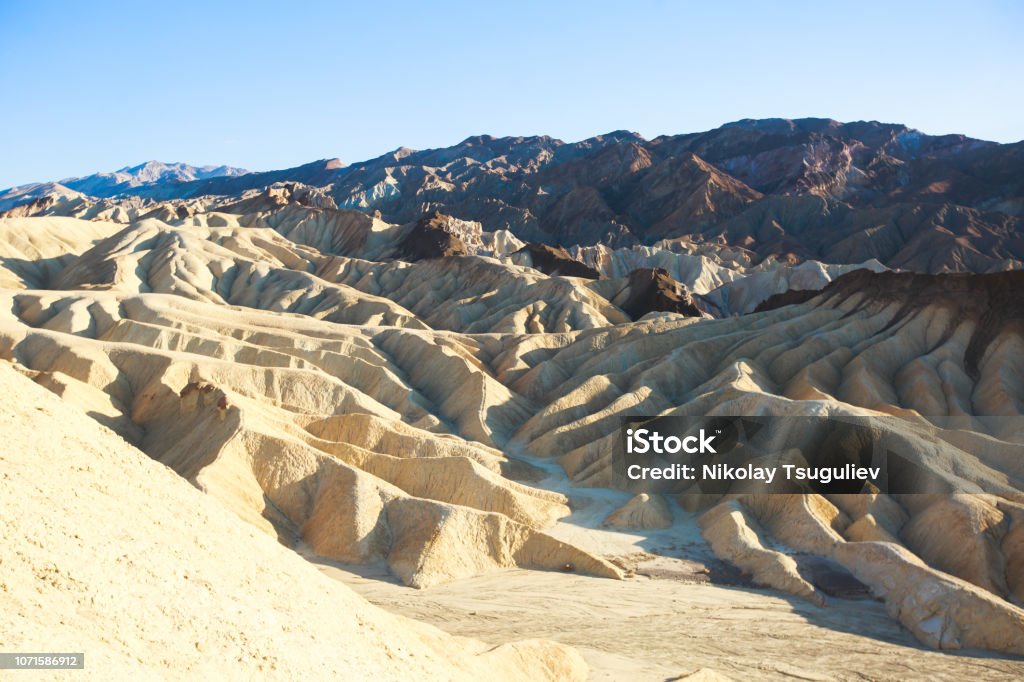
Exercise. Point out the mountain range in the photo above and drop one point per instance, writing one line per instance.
(793, 189)
(120, 182)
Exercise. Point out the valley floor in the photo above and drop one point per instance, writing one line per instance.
(683, 610)
(650, 630)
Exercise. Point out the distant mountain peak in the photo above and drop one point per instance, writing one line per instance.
(126, 179)
(622, 136)
(146, 174)
(786, 125)
(159, 168)
(477, 139)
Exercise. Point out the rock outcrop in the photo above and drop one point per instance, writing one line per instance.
(942, 611)
(651, 290)
(991, 301)
(734, 536)
(789, 297)
(642, 512)
(429, 238)
(553, 260)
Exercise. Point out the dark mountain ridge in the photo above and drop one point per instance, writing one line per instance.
(805, 188)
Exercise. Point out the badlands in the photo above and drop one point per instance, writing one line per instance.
(236, 418)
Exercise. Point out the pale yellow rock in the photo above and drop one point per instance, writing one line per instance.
(642, 511)
(867, 529)
(940, 610)
(1013, 548)
(885, 511)
(115, 555)
(962, 535)
(806, 523)
(733, 536)
(35, 250)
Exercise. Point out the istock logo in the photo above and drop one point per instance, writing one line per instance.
(643, 441)
(785, 454)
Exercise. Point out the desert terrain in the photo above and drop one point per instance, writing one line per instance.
(377, 404)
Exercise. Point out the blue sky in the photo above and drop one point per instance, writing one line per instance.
(270, 85)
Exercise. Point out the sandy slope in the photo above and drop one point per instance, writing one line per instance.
(109, 553)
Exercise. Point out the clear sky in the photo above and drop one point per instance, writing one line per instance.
(96, 86)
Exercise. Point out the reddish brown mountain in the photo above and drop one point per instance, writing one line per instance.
(807, 188)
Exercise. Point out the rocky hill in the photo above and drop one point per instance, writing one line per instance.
(115, 521)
